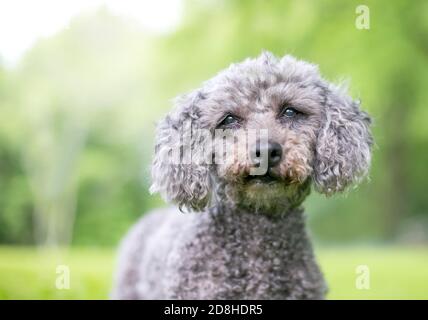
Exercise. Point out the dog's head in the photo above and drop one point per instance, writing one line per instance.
(259, 134)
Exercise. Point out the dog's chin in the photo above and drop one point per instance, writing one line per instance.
(264, 188)
(268, 194)
(262, 196)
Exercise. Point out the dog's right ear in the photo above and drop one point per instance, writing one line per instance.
(178, 176)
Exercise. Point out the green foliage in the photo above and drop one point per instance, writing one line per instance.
(77, 114)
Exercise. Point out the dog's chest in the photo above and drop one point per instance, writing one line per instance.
(241, 257)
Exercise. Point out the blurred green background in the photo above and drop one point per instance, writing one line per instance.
(77, 118)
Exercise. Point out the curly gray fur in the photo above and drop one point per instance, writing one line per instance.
(248, 240)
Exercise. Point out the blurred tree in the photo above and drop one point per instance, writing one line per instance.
(76, 84)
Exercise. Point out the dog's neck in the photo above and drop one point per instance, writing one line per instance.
(291, 217)
(282, 225)
(256, 248)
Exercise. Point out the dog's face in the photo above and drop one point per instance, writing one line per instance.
(270, 123)
(274, 126)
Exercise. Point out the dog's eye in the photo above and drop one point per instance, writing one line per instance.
(229, 121)
(290, 112)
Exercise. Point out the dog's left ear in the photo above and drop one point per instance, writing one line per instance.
(343, 149)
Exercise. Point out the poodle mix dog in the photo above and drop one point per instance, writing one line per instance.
(246, 238)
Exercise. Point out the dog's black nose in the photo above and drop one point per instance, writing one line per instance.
(272, 151)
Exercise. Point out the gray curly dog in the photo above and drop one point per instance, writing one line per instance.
(247, 237)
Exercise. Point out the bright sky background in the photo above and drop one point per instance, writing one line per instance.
(22, 22)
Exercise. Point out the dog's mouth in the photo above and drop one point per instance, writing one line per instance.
(267, 178)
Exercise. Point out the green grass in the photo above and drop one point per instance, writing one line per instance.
(395, 273)
(28, 273)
